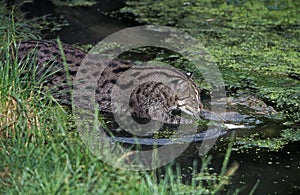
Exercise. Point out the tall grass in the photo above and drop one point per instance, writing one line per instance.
(40, 154)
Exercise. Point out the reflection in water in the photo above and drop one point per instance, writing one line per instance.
(240, 118)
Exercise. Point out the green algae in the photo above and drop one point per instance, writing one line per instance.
(73, 3)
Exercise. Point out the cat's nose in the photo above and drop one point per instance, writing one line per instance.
(201, 106)
(199, 114)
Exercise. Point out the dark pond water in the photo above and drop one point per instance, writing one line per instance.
(278, 172)
(85, 24)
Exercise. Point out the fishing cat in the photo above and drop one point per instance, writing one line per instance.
(152, 99)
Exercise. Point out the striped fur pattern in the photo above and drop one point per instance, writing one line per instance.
(156, 99)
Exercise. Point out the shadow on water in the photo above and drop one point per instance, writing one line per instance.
(277, 172)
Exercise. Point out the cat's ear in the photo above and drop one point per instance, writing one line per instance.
(189, 74)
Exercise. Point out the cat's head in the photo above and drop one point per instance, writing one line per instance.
(187, 95)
